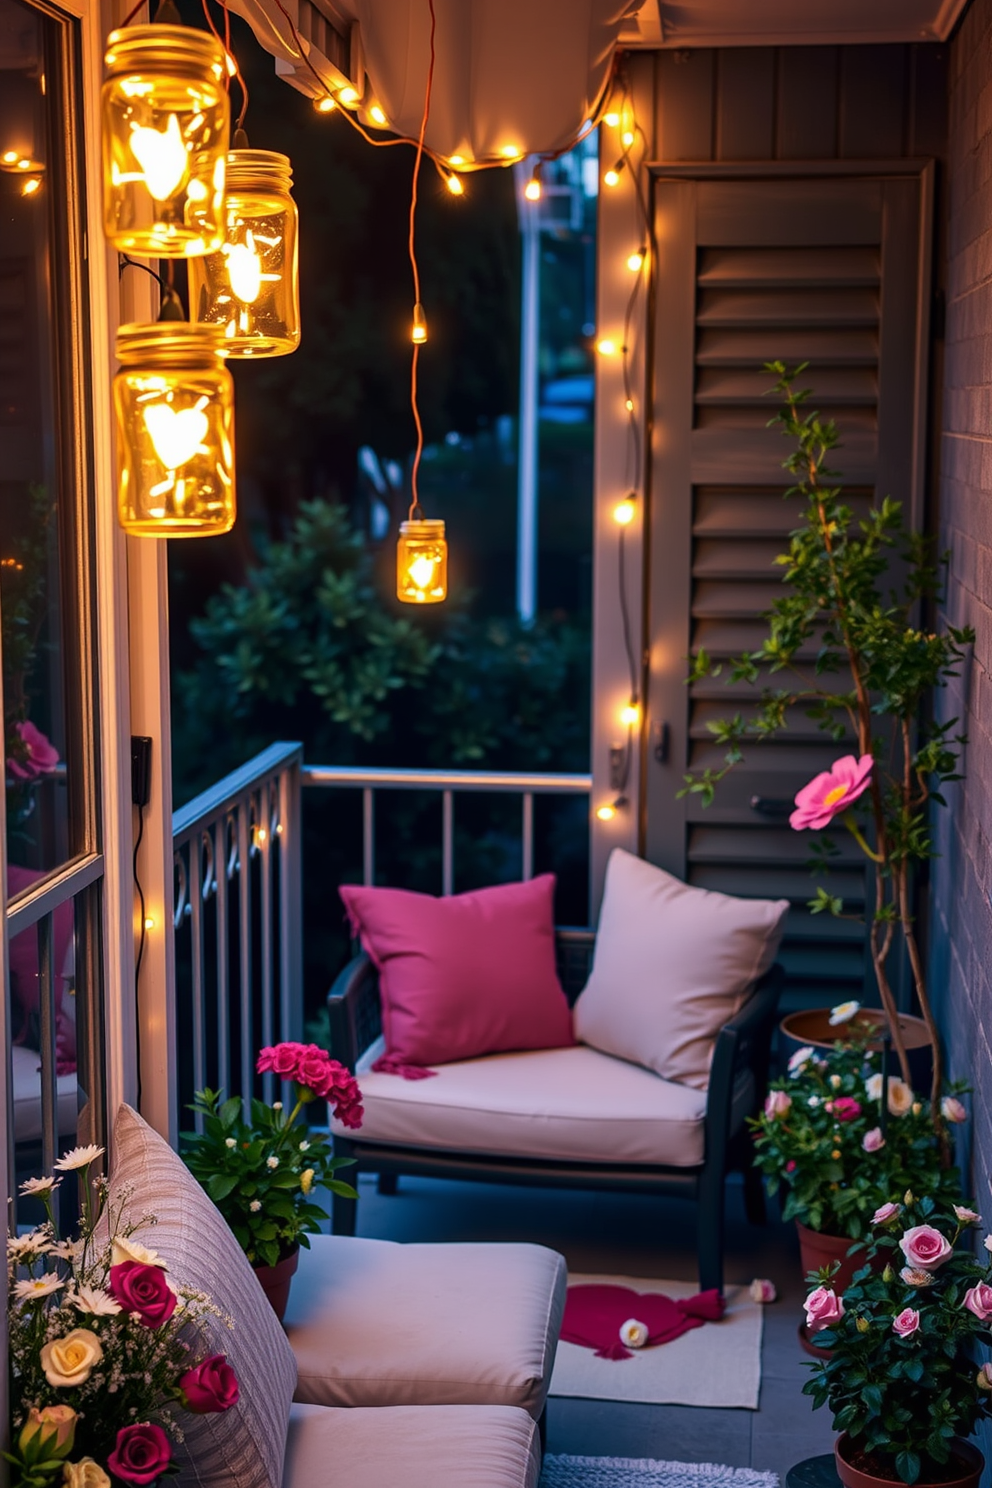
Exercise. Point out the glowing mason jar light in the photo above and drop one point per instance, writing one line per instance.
(166, 121)
(422, 562)
(174, 401)
(251, 287)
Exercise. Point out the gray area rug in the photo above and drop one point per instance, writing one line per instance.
(644, 1472)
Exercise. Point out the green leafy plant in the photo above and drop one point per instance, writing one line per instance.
(855, 587)
(839, 1139)
(903, 1378)
(261, 1172)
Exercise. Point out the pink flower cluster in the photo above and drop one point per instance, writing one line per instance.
(317, 1074)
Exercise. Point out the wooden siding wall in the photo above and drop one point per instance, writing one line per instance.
(801, 103)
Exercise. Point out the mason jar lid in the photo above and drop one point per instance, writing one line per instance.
(170, 343)
(423, 528)
(160, 48)
(258, 170)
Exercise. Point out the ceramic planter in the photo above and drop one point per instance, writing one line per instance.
(276, 1281)
(812, 1026)
(970, 1464)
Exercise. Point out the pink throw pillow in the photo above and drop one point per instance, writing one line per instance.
(466, 975)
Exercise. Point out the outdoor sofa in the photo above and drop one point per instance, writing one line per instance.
(560, 1118)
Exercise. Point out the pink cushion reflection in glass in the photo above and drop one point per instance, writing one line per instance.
(466, 975)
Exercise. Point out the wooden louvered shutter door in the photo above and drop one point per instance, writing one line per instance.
(827, 271)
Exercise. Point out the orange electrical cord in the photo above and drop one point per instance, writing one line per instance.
(414, 501)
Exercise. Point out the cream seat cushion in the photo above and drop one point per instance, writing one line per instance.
(672, 964)
(373, 1323)
(574, 1105)
(411, 1446)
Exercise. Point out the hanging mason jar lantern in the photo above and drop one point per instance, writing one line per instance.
(421, 562)
(166, 125)
(251, 287)
(174, 400)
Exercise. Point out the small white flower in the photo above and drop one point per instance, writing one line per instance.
(277, 1105)
(633, 1333)
(230, 1142)
(94, 1300)
(69, 1250)
(126, 1249)
(873, 1087)
(835, 1082)
(813, 1102)
(271, 1162)
(304, 1146)
(38, 1185)
(79, 1157)
(800, 1059)
(35, 1243)
(843, 1013)
(37, 1286)
(255, 1206)
(987, 1242)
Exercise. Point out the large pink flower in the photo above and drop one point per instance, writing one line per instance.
(35, 755)
(907, 1322)
(925, 1247)
(978, 1299)
(819, 802)
(823, 1309)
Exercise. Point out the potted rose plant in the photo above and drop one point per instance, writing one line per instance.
(262, 1172)
(904, 1379)
(853, 588)
(837, 1137)
(102, 1355)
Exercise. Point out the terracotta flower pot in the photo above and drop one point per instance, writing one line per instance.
(812, 1026)
(276, 1281)
(965, 1472)
(817, 1249)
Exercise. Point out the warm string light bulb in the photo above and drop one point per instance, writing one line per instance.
(612, 118)
(348, 95)
(630, 715)
(612, 176)
(635, 262)
(609, 809)
(606, 346)
(418, 333)
(325, 105)
(377, 116)
(455, 184)
(624, 512)
(627, 138)
(532, 191)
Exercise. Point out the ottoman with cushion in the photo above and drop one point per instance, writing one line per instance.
(375, 1323)
(411, 1446)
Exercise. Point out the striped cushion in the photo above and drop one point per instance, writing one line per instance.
(245, 1446)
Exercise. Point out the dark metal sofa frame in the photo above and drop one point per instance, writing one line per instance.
(738, 1078)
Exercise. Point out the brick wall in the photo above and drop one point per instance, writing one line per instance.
(961, 887)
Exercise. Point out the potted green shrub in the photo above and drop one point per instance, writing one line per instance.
(904, 1379)
(852, 591)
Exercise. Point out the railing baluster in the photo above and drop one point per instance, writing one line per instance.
(244, 956)
(47, 1040)
(527, 836)
(368, 837)
(290, 907)
(195, 906)
(223, 958)
(265, 848)
(447, 843)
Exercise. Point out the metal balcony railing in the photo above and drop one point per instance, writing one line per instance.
(239, 904)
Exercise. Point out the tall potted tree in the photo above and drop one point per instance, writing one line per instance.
(854, 589)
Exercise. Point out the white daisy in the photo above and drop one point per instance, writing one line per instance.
(35, 1243)
(230, 1142)
(37, 1286)
(843, 1013)
(94, 1300)
(79, 1157)
(39, 1185)
(255, 1206)
(69, 1250)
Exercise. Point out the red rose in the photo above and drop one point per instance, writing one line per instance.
(144, 1291)
(141, 1455)
(211, 1386)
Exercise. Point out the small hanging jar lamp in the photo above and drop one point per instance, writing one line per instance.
(421, 562)
(174, 401)
(251, 287)
(166, 127)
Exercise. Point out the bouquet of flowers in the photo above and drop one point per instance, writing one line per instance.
(102, 1346)
(840, 1138)
(260, 1173)
(903, 1379)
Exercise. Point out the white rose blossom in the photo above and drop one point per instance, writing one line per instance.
(633, 1333)
(126, 1249)
(873, 1087)
(84, 1474)
(230, 1142)
(900, 1097)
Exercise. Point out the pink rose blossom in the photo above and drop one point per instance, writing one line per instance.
(952, 1110)
(144, 1291)
(906, 1323)
(210, 1386)
(873, 1141)
(978, 1299)
(36, 756)
(762, 1290)
(141, 1455)
(823, 1309)
(831, 792)
(778, 1103)
(885, 1213)
(966, 1216)
(846, 1108)
(925, 1247)
(790, 1166)
(317, 1077)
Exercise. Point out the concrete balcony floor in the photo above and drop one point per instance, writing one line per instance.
(635, 1236)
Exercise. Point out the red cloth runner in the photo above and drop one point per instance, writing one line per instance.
(594, 1315)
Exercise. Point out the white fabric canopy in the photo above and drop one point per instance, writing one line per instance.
(518, 75)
